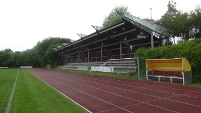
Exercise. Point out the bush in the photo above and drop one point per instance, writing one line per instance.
(194, 57)
(190, 50)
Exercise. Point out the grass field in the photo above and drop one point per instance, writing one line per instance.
(133, 76)
(32, 95)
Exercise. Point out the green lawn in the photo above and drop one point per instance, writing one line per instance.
(7, 79)
(32, 95)
(197, 85)
(132, 76)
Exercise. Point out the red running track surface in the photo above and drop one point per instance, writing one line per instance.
(112, 95)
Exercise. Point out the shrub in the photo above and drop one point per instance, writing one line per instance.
(190, 50)
(194, 57)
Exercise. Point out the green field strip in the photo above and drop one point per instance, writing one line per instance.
(7, 79)
(11, 95)
(34, 96)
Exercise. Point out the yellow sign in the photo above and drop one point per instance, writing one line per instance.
(48, 66)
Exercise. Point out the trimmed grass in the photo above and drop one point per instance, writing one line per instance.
(7, 79)
(197, 85)
(125, 76)
(33, 96)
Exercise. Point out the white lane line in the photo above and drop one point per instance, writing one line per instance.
(104, 78)
(148, 101)
(140, 102)
(159, 98)
(11, 95)
(63, 94)
(89, 94)
(175, 94)
(93, 78)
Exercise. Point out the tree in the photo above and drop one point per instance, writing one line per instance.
(176, 21)
(52, 57)
(171, 7)
(43, 46)
(195, 22)
(5, 56)
(115, 16)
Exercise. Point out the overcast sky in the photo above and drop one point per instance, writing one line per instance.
(25, 22)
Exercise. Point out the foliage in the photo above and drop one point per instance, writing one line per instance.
(181, 24)
(195, 22)
(115, 16)
(43, 46)
(52, 57)
(38, 56)
(171, 7)
(4, 57)
(194, 56)
(190, 50)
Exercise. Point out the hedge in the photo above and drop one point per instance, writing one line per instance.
(190, 50)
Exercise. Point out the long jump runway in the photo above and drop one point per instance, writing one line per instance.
(112, 95)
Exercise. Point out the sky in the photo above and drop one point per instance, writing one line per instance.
(23, 23)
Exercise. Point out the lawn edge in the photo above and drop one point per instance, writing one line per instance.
(63, 94)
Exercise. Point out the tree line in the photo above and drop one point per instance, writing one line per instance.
(39, 56)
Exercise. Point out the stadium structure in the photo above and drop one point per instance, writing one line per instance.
(118, 41)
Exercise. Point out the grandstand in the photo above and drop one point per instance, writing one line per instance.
(115, 42)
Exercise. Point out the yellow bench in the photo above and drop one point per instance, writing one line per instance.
(178, 68)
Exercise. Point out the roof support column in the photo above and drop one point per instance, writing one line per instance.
(101, 51)
(78, 56)
(88, 53)
(120, 52)
(152, 40)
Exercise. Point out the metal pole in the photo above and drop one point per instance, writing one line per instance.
(138, 68)
(151, 12)
(110, 66)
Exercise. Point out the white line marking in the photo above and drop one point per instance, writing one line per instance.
(89, 94)
(111, 81)
(159, 98)
(189, 91)
(140, 102)
(63, 94)
(11, 95)
(105, 78)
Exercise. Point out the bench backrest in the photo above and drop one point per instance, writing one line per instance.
(168, 73)
(178, 64)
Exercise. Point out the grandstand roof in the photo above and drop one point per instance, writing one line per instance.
(128, 22)
(147, 25)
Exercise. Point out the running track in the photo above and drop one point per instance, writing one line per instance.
(112, 95)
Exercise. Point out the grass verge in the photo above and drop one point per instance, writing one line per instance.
(132, 76)
(33, 96)
(197, 85)
(7, 79)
